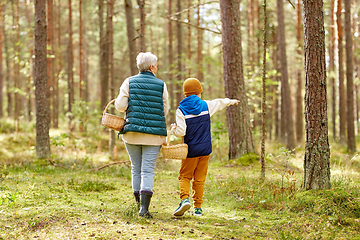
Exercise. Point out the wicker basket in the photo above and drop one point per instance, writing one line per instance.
(178, 151)
(111, 121)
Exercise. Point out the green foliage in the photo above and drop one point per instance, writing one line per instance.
(285, 168)
(59, 140)
(219, 133)
(33, 224)
(217, 129)
(88, 116)
(9, 199)
(211, 179)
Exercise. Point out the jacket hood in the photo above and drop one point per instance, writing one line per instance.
(191, 105)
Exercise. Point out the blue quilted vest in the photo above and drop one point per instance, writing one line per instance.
(198, 126)
(145, 112)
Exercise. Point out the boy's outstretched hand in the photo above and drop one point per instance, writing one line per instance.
(237, 101)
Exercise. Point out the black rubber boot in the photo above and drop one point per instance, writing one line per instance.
(137, 199)
(144, 206)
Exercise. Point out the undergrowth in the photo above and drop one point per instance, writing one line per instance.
(334, 202)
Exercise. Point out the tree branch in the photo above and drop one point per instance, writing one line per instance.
(193, 25)
(194, 6)
(291, 3)
(54, 164)
(110, 164)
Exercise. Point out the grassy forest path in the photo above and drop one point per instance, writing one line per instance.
(70, 200)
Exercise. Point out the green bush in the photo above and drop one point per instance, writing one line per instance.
(247, 159)
(88, 116)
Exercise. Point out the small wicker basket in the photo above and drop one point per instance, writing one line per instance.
(111, 121)
(178, 151)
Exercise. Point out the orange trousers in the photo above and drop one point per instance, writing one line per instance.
(193, 169)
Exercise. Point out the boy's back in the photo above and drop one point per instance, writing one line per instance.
(193, 122)
(197, 120)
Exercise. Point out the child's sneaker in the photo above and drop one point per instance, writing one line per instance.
(197, 211)
(183, 207)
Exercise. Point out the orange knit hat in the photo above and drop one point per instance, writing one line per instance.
(192, 86)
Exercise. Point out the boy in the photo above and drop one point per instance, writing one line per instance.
(193, 122)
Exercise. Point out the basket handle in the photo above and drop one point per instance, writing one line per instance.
(108, 105)
(168, 136)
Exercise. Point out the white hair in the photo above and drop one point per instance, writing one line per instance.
(144, 60)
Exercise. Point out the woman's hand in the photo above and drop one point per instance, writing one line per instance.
(236, 103)
(172, 126)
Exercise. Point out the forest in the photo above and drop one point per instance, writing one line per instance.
(284, 164)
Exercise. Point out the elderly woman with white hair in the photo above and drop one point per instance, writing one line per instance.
(144, 98)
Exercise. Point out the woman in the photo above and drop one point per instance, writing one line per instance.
(144, 98)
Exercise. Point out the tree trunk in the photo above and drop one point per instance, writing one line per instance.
(171, 67)
(356, 98)
(60, 67)
(263, 102)
(111, 72)
(84, 49)
(240, 136)
(42, 105)
(357, 74)
(251, 34)
(189, 37)
(179, 94)
(131, 36)
(81, 61)
(81, 64)
(199, 73)
(276, 96)
(17, 65)
(342, 96)
(50, 60)
(257, 36)
(104, 59)
(332, 68)
(1, 60)
(141, 4)
(30, 44)
(287, 116)
(210, 72)
(299, 108)
(272, 90)
(86, 68)
(349, 79)
(70, 67)
(317, 150)
(8, 67)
